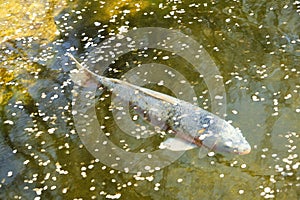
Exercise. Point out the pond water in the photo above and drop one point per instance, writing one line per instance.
(249, 74)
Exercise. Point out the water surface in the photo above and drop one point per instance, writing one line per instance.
(255, 46)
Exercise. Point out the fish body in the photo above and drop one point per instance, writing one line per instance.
(196, 127)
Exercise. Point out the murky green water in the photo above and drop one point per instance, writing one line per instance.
(255, 46)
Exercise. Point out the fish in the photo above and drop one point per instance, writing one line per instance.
(194, 127)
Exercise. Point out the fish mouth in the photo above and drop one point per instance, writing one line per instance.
(242, 150)
(245, 151)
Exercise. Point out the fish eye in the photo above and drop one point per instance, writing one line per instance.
(207, 121)
(228, 148)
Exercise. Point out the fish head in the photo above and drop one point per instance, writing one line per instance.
(221, 136)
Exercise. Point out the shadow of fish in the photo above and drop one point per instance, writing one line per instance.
(195, 126)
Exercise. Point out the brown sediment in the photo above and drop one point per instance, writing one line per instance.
(29, 19)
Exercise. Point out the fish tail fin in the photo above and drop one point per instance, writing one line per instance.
(83, 76)
(79, 66)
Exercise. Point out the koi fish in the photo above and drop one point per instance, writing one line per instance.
(195, 126)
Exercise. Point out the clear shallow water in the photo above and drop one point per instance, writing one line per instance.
(256, 48)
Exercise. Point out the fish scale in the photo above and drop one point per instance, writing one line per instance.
(192, 123)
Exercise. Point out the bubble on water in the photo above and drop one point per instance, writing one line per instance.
(218, 97)
(115, 196)
(234, 112)
(288, 96)
(255, 98)
(296, 166)
(83, 174)
(147, 168)
(149, 178)
(210, 154)
(9, 173)
(38, 191)
(64, 190)
(92, 188)
(267, 190)
(160, 83)
(51, 130)
(97, 23)
(26, 162)
(8, 122)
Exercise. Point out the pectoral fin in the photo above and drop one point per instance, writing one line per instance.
(176, 144)
(202, 152)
